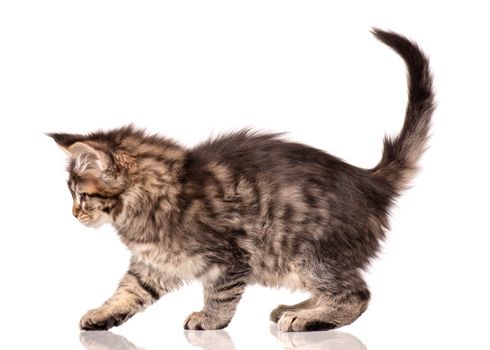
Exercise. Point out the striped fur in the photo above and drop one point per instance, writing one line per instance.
(244, 208)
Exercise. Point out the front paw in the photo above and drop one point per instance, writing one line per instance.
(103, 319)
(202, 321)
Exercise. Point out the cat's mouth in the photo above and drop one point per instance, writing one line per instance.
(85, 219)
(91, 221)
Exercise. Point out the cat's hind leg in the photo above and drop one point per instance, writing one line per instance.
(280, 309)
(331, 312)
(334, 304)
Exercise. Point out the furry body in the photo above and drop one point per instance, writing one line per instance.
(245, 208)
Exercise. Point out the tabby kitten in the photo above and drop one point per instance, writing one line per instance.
(245, 208)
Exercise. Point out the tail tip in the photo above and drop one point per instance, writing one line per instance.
(385, 36)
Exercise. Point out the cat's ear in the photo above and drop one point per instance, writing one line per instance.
(87, 159)
(65, 140)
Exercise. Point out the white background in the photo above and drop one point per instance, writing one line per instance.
(190, 69)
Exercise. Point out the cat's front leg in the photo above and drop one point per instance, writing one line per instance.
(139, 288)
(221, 298)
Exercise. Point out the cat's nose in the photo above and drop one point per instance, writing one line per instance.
(75, 210)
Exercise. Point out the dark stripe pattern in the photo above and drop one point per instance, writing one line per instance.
(149, 289)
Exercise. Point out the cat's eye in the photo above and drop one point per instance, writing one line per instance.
(86, 195)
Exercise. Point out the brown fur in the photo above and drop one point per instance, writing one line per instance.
(245, 208)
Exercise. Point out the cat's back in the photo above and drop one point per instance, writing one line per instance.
(270, 167)
(253, 153)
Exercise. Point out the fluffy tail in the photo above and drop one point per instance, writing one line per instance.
(398, 164)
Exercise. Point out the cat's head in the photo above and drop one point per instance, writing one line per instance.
(99, 173)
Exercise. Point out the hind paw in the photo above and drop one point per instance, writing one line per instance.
(277, 312)
(202, 321)
(294, 322)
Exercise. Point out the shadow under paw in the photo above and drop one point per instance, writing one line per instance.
(211, 340)
(104, 340)
(328, 340)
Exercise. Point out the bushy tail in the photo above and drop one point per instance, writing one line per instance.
(398, 164)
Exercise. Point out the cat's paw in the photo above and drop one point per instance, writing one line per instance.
(294, 322)
(201, 321)
(277, 312)
(103, 318)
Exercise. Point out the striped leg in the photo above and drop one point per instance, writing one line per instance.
(220, 301)
(138, 289)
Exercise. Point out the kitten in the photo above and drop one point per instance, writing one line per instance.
(245, 208)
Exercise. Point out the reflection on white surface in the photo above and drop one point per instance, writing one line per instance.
(208, 340)
(220, 340)
(104, 340)
(326, 340)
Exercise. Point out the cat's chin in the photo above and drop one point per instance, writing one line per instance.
(90, 225)
(98, 223)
